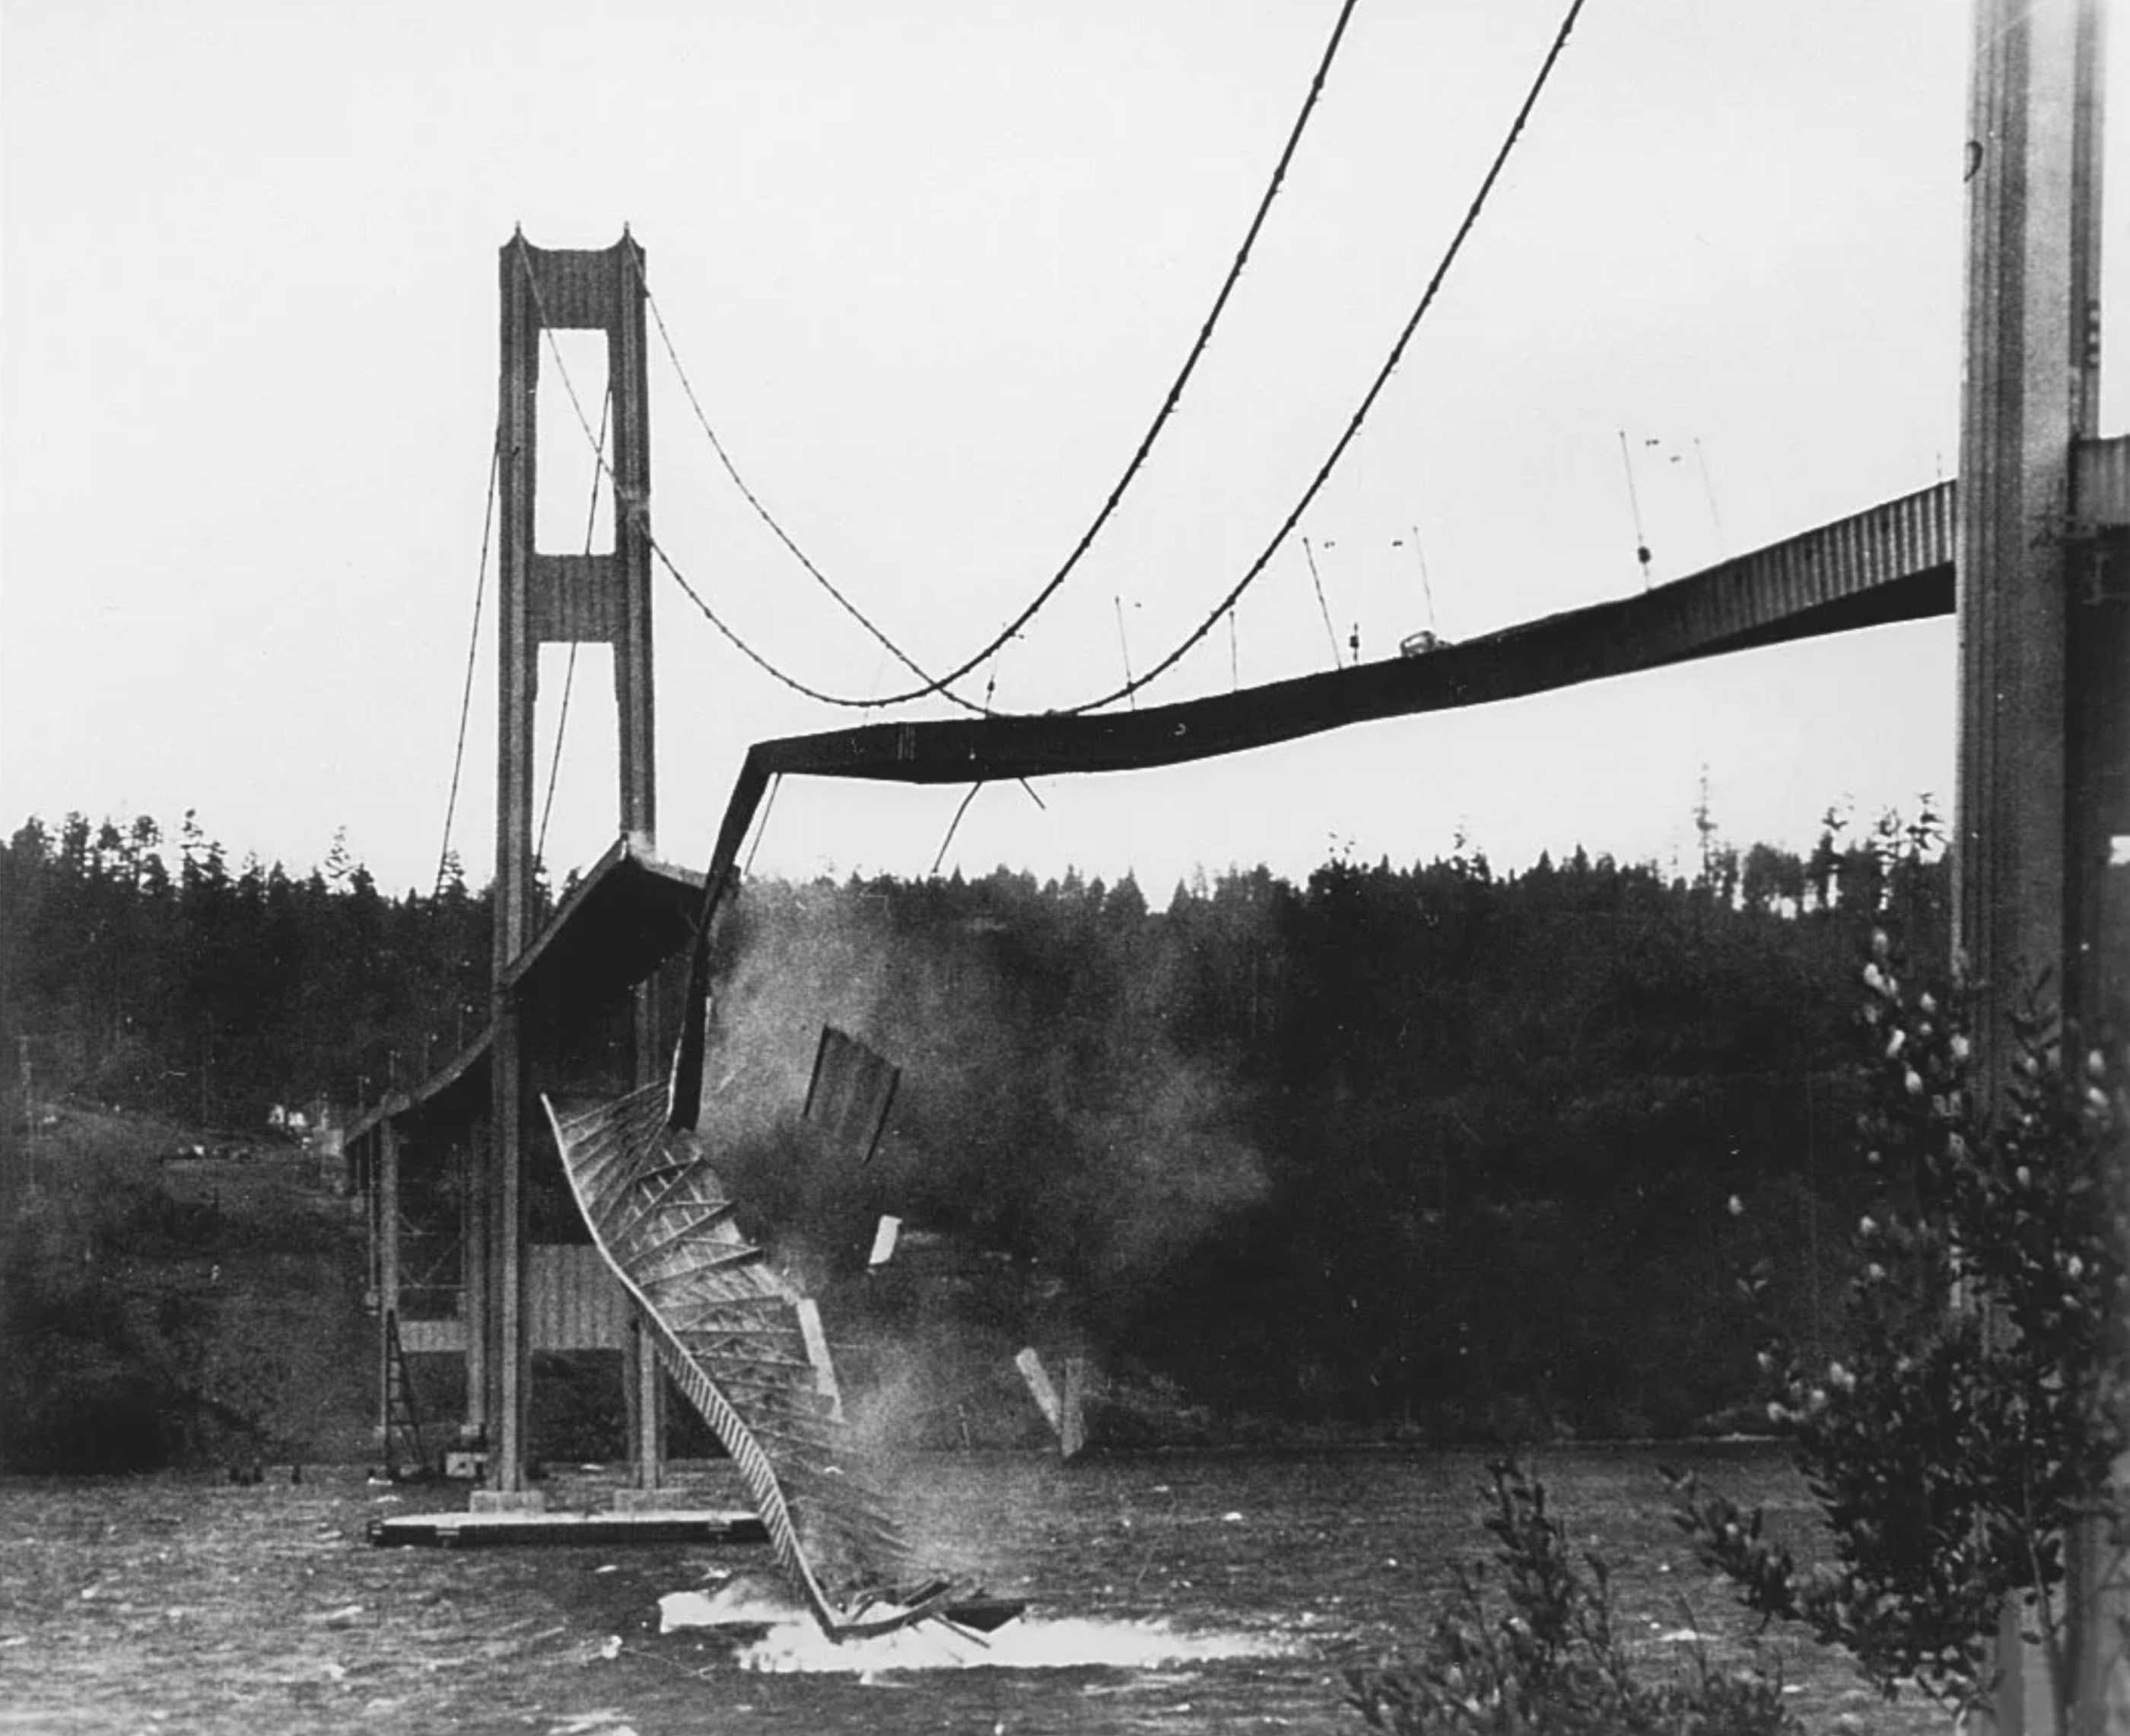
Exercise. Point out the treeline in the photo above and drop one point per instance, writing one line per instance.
(149, 974)
(1433, 1145)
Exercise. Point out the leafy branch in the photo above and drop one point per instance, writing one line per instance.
(1539, 1656)
(1972, 1419)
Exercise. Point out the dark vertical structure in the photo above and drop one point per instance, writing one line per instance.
(554, 598)
(2042, 669)
(2032, 393)
(387, 1274)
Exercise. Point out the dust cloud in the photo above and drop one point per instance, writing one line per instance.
(1051, 1150)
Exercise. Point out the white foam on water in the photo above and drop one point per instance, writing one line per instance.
(795, 1643)
(743, 1603)
(1030, 1643)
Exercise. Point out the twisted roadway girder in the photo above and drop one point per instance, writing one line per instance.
(1893, 562)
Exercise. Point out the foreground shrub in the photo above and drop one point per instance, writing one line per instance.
(1536, 1655)
(1968, 1424)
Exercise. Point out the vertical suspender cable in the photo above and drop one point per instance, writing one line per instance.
(473, 644)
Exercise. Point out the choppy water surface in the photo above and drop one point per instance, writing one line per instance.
(1171, 1592)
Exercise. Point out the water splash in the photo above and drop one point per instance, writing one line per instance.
(743, 1603)
(1036, 1642)
(794, 1645)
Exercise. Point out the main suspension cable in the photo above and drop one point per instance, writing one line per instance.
(932, 684)
(584, 422)
(940, 684)
(1375, 390)
(473, 645)
(1133, 685)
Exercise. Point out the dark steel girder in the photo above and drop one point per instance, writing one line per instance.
(1893, 562)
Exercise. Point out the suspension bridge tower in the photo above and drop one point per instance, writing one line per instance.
(550, 598)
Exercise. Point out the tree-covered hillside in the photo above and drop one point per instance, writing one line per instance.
(1433, 1145)
(207, 994)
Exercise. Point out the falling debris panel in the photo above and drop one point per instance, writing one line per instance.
(741, 1341)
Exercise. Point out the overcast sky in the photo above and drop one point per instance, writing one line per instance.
(930, 267)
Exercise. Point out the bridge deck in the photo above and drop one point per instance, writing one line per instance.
(1893, 562)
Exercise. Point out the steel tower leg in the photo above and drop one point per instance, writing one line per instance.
(2026, 878)
(554, 598)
